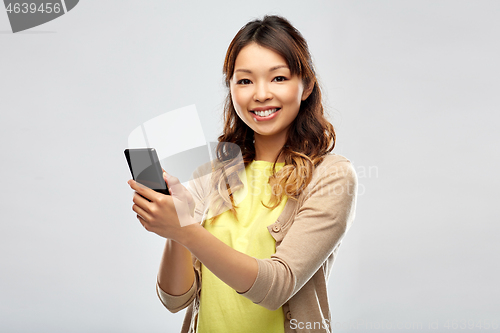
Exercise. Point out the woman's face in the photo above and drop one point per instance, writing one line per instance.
(264, 93)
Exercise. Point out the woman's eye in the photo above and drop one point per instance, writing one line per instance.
(243, 81)
(279, 78)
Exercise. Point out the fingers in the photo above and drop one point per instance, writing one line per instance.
(144, 223)
(141, 213)
(141, 219)
(142, 190)
(141, 202)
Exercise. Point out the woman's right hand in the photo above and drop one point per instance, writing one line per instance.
(165, 215)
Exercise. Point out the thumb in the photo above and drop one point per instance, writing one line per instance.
(168, 178)
(172, 182)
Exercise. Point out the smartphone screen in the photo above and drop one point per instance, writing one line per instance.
(146, 169)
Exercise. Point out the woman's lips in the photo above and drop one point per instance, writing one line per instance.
(271, 116)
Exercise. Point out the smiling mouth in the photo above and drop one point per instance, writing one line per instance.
(266, 113)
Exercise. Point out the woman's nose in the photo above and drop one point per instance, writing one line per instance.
(262, 92)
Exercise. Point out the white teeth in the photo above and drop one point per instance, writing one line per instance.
(265, 113)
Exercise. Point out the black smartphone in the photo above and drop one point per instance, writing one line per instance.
(146, 169)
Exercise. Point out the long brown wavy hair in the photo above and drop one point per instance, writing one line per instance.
(310, 137)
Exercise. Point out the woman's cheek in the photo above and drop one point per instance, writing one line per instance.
(239, 104)
(239, 110)
(235, 97)
(295, 95)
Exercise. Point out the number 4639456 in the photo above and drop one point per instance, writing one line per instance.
(32, 8)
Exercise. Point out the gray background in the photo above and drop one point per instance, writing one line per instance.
(411, 87)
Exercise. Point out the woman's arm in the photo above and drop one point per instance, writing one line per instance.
(236, 269)
(176, 282)
(176, 273)
(319, 226)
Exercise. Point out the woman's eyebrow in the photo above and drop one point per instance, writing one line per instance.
(270, 70)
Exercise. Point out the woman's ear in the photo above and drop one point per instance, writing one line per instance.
(307, 91)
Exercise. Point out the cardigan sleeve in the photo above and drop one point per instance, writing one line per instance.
(176, 303)
(318, 228)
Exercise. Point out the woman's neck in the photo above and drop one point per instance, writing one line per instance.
(268, 147)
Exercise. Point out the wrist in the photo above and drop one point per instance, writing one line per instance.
(188, 234)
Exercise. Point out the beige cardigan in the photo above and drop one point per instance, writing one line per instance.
(308, 235)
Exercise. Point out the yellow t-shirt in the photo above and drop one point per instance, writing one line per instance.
(222, 309)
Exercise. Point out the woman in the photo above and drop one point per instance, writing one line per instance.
(258, 262)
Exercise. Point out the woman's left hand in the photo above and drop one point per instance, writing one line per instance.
(163, 214)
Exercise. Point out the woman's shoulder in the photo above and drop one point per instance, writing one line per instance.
(333, 158)
(334, 166)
